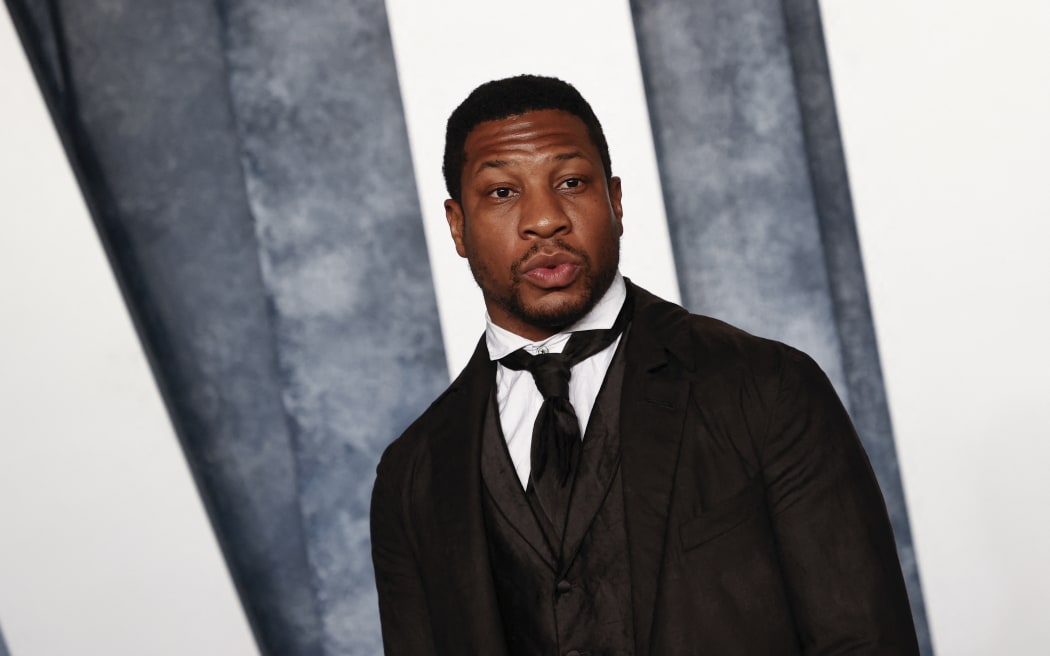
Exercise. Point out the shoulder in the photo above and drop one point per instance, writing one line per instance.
(446, 415)
(705, 346)
(752, 391)
(407, 448)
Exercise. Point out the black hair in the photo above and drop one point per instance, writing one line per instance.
(512, 96)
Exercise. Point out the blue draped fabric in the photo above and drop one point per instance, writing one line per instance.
(3, 646)
(332, 190)
(237, 159)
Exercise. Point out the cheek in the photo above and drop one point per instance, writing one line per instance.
(601, 229)
(486, 250)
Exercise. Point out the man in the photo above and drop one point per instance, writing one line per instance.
(610, 474)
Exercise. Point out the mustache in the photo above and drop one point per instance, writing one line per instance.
(556, 245)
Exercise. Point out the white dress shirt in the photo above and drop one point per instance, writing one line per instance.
(519, 400)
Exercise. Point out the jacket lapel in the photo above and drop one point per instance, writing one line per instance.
(599, 461)
(504, 487)
(468, 614)
(653, 410)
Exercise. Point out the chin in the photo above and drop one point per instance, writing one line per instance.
(558, 315)
(557, 309)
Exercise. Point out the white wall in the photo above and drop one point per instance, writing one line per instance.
(104, 545)
(945, 110)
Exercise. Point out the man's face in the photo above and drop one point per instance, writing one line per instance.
(538, 222)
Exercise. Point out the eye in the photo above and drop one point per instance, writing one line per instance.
(501, 192)
(572, 183)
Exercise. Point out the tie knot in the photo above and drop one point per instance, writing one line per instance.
(551, 371)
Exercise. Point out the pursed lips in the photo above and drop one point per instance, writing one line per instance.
(551, 270)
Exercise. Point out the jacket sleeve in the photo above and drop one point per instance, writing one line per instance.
(836, 545)
(403, 611)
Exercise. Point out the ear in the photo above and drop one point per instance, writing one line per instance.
(454, 216)
(615, 196)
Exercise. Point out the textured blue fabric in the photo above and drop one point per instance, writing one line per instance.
(758, 201)
(248, 168)
(331, 186)
(849, 290)
(3, 646)
(733, 166)
(144, 112)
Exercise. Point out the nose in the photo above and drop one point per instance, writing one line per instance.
(542, 215)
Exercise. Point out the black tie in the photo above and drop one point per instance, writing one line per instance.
(557, 430)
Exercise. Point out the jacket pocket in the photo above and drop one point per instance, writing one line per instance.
(724, 516)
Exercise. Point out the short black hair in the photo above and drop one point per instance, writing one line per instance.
(512, 96)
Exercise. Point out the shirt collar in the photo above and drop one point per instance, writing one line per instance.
(502, 342)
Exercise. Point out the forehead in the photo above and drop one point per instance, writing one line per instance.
(532, 133)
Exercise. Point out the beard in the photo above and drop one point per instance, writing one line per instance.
(593, 285)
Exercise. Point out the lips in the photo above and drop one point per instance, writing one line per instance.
(551, 270)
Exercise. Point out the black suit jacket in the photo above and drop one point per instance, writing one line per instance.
(754, 522)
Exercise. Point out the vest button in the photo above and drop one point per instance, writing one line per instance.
(562, 588)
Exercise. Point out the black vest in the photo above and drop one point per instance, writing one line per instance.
(577, 595)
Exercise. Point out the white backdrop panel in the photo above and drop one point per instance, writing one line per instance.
(944, 108)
